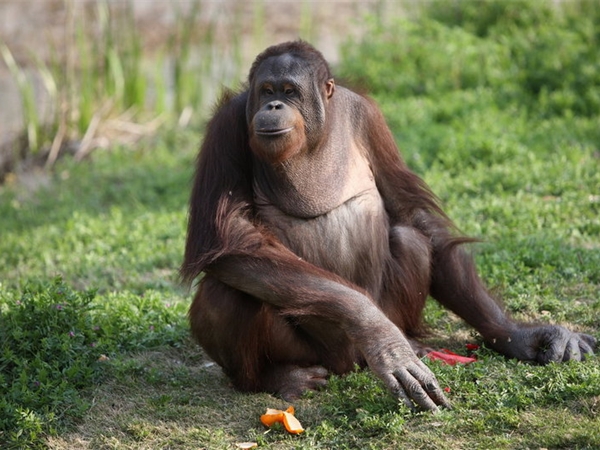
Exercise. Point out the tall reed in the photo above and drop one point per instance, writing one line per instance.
(101, 74)
(25, 85)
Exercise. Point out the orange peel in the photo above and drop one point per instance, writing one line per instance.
(291, 424)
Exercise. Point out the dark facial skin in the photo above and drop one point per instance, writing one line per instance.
(319, 246)
(275, 119)
(286, 109)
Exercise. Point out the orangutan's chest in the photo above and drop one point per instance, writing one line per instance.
(347, 240)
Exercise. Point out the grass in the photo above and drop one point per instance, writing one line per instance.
(87, 228)
(95, 351)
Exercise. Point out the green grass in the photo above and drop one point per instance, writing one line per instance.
(88, 259)
(91, 228)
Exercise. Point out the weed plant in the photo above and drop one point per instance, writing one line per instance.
(102, 73)
(90, 230)
(54, 343)
(498, 118)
